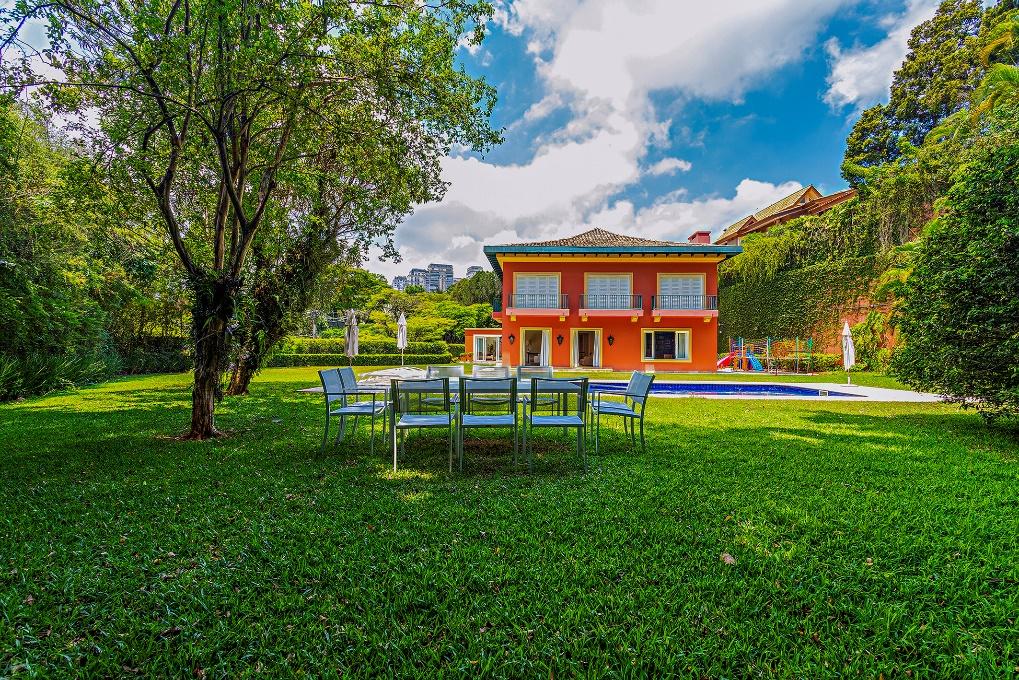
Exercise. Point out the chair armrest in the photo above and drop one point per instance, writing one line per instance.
(596, 394)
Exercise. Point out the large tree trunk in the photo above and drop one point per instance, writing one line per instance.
(213, 309)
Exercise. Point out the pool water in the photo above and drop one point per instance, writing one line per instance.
(728, 389)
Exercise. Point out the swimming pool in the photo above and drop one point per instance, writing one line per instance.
(731, 389)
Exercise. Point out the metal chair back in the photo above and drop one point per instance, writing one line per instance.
(420, 396)
(332, 386)
(347, 378)
(557, 394)
(639, 387)
(528, 372)
(454, 371)
(488, 392)
(491, 372)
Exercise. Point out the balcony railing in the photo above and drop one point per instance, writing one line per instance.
(684, 302)
(611, 302)
(539, 301)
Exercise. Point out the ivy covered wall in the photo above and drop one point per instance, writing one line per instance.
(810, 301)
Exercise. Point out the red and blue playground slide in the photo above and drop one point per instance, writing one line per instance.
(727, 360)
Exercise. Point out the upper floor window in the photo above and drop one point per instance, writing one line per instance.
(680, 291)
(608, 291)
(535, 290)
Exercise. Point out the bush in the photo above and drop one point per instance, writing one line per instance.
(960, 312)
(296, 360)
(38, 374)
(366, 346)
(457, 349)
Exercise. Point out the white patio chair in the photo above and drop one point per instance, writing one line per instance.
(342, 397)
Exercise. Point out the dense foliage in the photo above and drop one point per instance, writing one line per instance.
(85, 286)
(482, 288)
(960, 313)
(805, 277)
(430, 316)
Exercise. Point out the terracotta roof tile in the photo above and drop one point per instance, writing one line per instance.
(600, 238)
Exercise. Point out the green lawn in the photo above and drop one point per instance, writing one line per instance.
(868, 539)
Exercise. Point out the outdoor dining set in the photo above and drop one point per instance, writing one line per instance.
(446, 399)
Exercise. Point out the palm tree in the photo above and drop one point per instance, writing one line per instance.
(1001, 82)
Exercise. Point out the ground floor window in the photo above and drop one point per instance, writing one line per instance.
(667, 345)
(487, 348)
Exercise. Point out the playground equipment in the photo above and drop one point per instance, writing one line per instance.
(773, 356)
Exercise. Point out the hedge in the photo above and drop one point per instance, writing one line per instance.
(297, 360)
(156, 354)
(337, 345)
(457, 349)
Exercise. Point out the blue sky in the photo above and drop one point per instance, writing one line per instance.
(657, 117)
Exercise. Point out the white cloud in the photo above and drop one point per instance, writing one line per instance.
(601, 60)
(668, 166)
(861, 76)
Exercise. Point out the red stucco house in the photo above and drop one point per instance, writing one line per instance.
(605, 300)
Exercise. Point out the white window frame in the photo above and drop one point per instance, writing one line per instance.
(625, 296)
(688, 344)
(498, 348)
(544, 293)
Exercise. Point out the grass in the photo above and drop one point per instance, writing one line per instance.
(867, 539)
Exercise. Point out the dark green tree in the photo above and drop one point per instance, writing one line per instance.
(960, 309)
(481, 288)
(936, 80)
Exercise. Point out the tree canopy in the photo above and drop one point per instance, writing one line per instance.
(960, 312)
(237, 114)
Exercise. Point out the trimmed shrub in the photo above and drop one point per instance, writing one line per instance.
(296, 360)
(366, 346)
(457, 349)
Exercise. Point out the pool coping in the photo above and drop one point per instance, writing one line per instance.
(860, 393)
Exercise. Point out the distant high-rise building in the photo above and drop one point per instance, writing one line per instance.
(474, 269)
(440, 277)
(399, 282)
(418, 277)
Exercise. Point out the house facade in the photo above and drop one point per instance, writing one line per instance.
(604, 300)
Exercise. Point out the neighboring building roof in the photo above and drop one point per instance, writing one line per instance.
(600, 241)
(806, 201)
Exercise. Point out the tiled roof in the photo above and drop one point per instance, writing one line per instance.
(599, 238)
(601, 242)
(735, 227)
(784, 203)
(778, 206)
(806, 201)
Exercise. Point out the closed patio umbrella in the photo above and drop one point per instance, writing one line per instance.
(848, 351)
(350, 337)
(401, 335)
